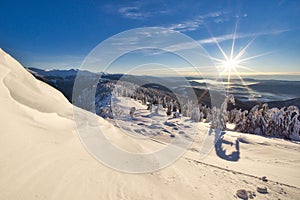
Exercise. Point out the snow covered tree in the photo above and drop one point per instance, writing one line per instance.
(240, 121)
(132, 111)
(195, 114)
(220, 116)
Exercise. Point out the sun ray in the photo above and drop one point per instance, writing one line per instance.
(256, 56)
(220, 48)
(233, 41)
(247, 68)
(243, 82)
(217, 43)
(216, 59)
(233, 61)
(228, 82)
(243, 51)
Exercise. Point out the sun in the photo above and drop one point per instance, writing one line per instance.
(230, 65)
(233, 62)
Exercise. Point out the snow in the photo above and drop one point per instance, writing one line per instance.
(41, 156)
(53, 72)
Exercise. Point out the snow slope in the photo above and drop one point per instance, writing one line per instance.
(41, 156)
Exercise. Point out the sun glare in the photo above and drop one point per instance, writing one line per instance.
(231, 63)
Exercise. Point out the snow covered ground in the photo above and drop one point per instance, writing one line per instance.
(42, 157)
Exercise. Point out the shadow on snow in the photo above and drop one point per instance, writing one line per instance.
(220, 151)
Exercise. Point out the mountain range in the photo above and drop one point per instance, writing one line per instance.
(276, 93)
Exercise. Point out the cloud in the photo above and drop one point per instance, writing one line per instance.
(219, 39)
(194, 24)
(140, 10)
(226, 37)
(140, 40)
(186, 26)
(133, 12)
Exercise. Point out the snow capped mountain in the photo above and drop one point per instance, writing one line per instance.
(56, 73)
(59, 73)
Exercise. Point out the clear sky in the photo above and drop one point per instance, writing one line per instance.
(60, 33)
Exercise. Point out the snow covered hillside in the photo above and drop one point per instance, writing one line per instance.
(42, 157)
(276, 119)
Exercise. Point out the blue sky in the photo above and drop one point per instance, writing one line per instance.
(60, 34)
